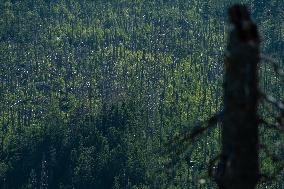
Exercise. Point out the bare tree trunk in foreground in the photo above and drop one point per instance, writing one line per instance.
(239, 167)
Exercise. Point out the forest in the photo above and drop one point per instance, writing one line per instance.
(94, 94)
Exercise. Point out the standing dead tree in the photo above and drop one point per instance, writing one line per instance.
(238, 161)
(239, 167)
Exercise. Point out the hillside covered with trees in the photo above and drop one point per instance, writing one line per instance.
(92, 92)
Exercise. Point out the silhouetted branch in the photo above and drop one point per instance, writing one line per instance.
(178, 147)
(276, 126)
(198, 129)
(188, 136)
(277, 103)
(276, 68)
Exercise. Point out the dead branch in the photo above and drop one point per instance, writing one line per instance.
(272, 100)
(199, 128)
(178, 148)
(276, 126)
(276, 67)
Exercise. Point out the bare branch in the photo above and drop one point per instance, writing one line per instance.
(277, 103)
(198, 129)
(277, 69)
(178, 148)
(276, 126)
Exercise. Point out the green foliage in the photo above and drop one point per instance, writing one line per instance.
(92, 91)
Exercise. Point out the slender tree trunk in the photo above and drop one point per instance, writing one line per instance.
(239, 167)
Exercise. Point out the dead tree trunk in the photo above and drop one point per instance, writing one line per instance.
(239, 167)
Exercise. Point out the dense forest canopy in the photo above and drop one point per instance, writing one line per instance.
(92, 91)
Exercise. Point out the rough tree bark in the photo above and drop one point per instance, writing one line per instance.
(239, 167)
